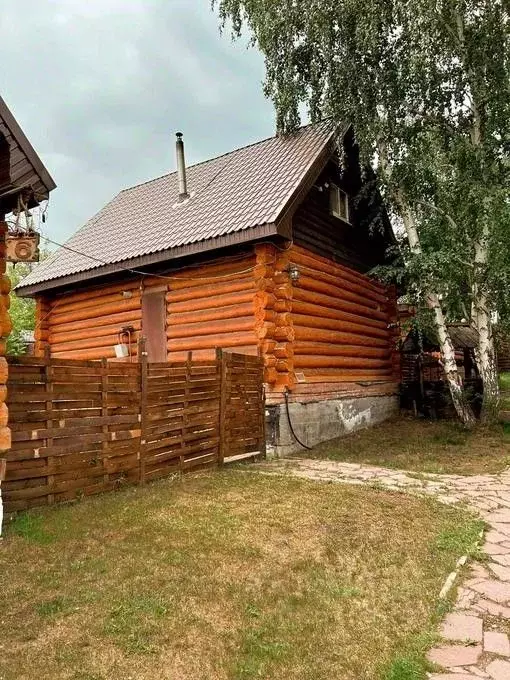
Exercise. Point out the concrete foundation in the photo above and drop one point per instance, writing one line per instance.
(320, 421)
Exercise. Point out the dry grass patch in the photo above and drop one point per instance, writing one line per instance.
(423, 446)
(231, 575)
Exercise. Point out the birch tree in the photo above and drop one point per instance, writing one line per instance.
(425, 84)
(350, 59)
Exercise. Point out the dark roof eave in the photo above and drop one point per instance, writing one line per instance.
(248, 235)
(26, 147)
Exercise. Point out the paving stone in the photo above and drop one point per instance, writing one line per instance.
(495, 590)
(503, 502)
(460, 670)
(495, 549)
(502, 559)
(499, 670)
(476, 581)
(492, 608)
(501, 528)
(465, 598)
(496, 537)
(462, 628)
(452, 676)
(476, 671)
(449, 656)
(502, 516)
(496, 643)
(479, 571)
(503, 573)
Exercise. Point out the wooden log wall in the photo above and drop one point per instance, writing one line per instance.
(273, 303)
(211, 306)
(84, 325)
(334, 329)
(341, 322)
(208, 306)
(85, 427)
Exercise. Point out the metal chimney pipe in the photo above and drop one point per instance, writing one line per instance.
(181, 167)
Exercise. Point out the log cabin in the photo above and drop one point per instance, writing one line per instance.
(265, 250)
(22, 176)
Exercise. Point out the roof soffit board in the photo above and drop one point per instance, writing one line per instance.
(236, 238)
(26, 147)
(292, 203)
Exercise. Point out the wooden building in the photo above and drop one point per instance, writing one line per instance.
(22, 176)
(265, 250)
(423, 382)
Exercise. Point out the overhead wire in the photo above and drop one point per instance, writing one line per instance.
(155, 275)
(151, 274)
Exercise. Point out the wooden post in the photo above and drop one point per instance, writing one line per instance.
(104, 414)
(187, 391)
(221, 360)
(48, 377)
(262, 405)
(144, 374)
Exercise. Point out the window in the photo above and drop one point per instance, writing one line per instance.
(338, 203)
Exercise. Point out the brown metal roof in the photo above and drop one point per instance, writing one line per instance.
(462, 336)
(235, 198)
(26, 168)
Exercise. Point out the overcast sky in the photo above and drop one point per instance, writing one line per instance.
(100, 87)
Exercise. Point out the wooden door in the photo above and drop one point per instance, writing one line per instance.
(154, 324)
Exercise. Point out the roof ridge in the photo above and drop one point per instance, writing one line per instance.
(227, 153)
(272, 170)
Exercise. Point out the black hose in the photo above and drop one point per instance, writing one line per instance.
(305, 446)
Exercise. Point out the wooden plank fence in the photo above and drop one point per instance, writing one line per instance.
(85, 427)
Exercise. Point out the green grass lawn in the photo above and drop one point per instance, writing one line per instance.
(228, 575)
(504, 384)
(423, 446)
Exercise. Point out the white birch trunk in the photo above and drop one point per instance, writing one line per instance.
(446, 347)
(485, 353)
(463, 409)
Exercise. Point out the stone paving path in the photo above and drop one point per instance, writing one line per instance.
(476, 634)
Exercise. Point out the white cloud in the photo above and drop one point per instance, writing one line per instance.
(100, 87)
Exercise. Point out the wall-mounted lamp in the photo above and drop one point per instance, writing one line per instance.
(127, 294)
(293, 273)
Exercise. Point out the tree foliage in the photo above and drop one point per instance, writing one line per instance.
(21, 311)
(426, 85)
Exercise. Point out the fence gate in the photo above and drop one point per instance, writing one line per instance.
(180, 417)
(243, 422)
(85, 427)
